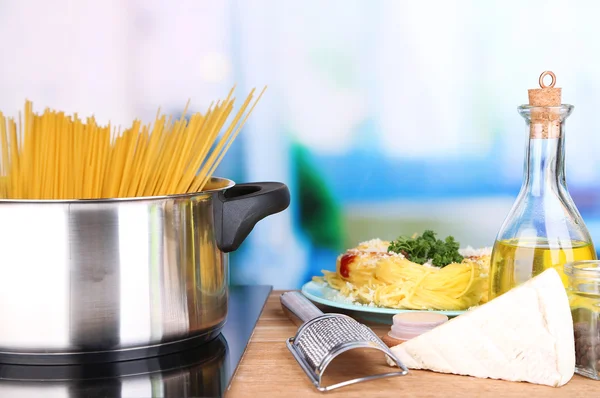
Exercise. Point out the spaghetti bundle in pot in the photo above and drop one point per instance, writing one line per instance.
(53, 156)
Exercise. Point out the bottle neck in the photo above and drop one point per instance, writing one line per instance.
(545, 154)
(545, 165)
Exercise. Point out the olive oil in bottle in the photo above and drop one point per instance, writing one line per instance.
(514, 262)
(544, 228)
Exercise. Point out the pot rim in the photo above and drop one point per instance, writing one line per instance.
(221, 185)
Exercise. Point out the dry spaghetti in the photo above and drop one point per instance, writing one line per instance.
(369, 274)
(56, 156)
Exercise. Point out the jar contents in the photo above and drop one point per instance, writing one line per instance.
(587, 343)
(408, 325)
(584, 299)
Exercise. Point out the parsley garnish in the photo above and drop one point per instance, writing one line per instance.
(426, 247)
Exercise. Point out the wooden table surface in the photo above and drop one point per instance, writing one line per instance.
(268, 369)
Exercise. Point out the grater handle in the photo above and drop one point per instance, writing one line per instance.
(299, 308)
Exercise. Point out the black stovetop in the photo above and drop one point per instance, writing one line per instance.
(204, 371)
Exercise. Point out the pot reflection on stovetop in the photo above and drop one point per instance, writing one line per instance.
(201, 371)
(198, 372)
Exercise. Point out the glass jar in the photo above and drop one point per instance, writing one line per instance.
(584, 299)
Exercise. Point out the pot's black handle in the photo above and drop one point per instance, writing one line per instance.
(238, 209)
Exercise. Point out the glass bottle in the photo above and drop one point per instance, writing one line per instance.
(584, 299)
(544, 228)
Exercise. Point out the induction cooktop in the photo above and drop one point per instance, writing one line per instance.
(204, 371)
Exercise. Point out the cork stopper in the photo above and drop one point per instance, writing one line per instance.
(545, 123)
(546, 95)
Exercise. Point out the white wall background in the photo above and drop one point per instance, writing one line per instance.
(440, 79)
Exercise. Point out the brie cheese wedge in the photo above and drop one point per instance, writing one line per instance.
(524, 335)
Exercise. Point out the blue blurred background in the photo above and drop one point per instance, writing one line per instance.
(383, 117)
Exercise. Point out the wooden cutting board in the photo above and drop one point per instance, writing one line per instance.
(269, 370)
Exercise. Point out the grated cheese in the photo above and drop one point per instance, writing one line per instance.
(471, 252)
(374, 245)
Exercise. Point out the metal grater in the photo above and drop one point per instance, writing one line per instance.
(322, 337)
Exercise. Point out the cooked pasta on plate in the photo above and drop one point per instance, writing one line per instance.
(416, 273)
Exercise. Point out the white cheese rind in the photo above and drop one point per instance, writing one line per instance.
(524, 335)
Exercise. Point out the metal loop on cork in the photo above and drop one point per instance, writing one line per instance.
(552, 76)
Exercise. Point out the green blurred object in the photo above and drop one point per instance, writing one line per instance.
(321, 215)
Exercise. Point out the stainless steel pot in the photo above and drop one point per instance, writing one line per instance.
(105, 280)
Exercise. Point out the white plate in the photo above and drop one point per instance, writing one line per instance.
(323, 294)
